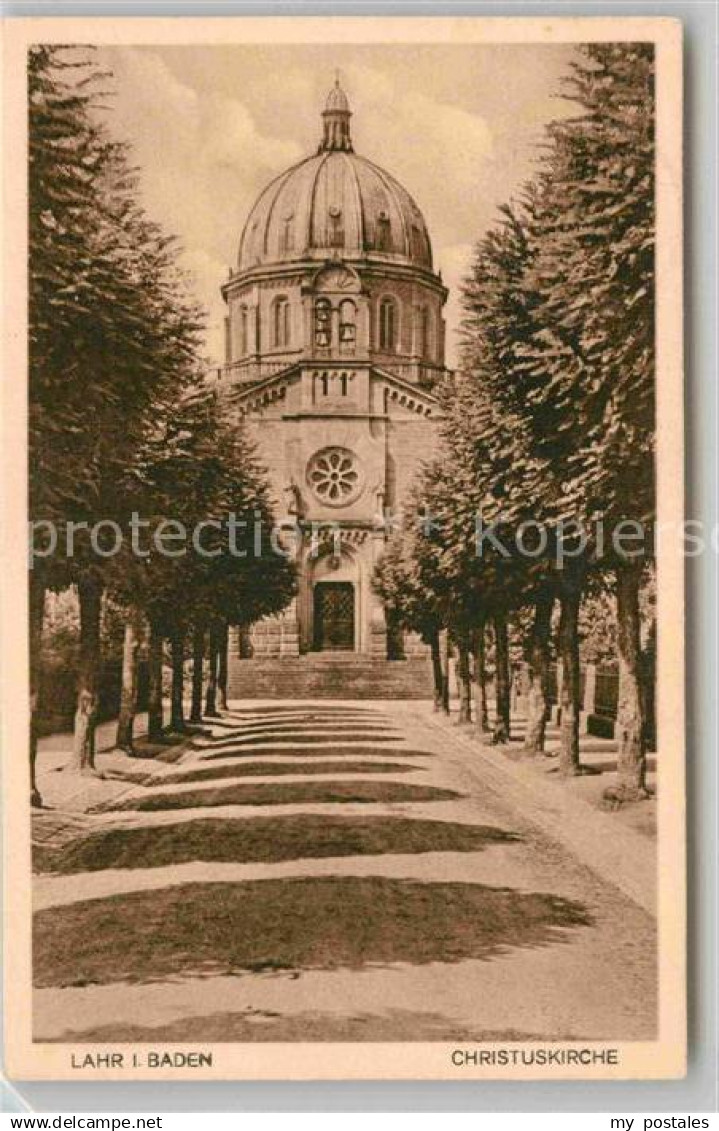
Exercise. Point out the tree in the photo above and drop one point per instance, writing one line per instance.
(518, 451)
(412, 607)
(450, 576)
(592, 228)
(199, 475)
(481, 706)
(538, 660)
(112, 336)
(559, 333)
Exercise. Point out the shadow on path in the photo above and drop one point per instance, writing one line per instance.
(303, 726)
(308, 1025)
(301, 708)
(302, 738)
(329, 751)
(264, 839)
(290, 924)
(278, 769)
(283, 793)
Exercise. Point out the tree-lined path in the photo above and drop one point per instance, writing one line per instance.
(341, 871)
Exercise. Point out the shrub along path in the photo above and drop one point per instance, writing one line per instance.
(368, 883)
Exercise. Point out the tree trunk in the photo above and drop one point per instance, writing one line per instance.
(198, 659)
(538, 658)
(437, 671)
(211, 693)
(128, 692)
(481, 708)
(177, 697)
(631, 708)
(465, 681)
(570, 703)
(223, 636)
(90, 597)
(154, 699)
(649, 674)
(37, 614)
(502, 684)
(444, 664)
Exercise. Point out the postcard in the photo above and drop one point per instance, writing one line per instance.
(343, 609)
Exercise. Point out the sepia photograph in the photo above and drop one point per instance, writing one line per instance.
(348, 731)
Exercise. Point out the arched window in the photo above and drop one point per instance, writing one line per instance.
(343, 384)
(244, 323)
(280, 322)
(348, 329)
(323, 322)
(387, 325)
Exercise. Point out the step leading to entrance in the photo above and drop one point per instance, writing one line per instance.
(330, 675)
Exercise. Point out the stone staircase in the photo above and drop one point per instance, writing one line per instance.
(330, 675)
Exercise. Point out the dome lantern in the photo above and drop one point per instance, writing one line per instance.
(336, 121)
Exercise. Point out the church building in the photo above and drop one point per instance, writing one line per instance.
(334, 345)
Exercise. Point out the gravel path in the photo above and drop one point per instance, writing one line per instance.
(446, 911)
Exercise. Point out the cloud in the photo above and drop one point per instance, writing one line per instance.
(228, 134)
(202, 162)
(206, 274)
(454, 263)
(409, 132)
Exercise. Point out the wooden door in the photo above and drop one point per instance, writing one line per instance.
(334, 616)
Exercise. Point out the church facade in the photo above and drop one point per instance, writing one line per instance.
(334, 345)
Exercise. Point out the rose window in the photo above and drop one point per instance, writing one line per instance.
(333, 476)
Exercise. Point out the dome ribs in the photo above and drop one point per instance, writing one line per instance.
(362, 190)
(389, 185)
(334, 203)
(270, 212)
(245, 254)
(359, 205)
(311, 219)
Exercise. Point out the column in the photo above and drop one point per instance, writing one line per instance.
(255, 328)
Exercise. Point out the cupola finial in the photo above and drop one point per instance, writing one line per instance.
(336, 120)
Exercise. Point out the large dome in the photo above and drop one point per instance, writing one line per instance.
(335, 203)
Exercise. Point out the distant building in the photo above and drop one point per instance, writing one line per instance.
(335, 341)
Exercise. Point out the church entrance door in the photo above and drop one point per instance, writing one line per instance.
(334, 616)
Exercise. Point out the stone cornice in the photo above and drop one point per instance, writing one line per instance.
(407, 394)
(298, 272)
(274, 388)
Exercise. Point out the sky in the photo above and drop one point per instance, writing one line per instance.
(460, 127)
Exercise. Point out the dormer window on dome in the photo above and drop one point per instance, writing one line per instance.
(287, 241)
(383, 241)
